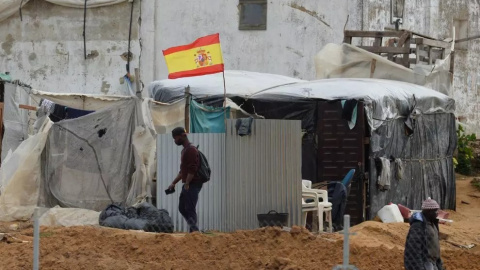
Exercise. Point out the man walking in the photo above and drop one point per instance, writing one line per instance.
(422, 249)
(189, 165)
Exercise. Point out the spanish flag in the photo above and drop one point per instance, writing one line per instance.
(202, 57)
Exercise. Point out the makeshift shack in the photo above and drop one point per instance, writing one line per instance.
(400, 137)
(104, 156)
(79, 151)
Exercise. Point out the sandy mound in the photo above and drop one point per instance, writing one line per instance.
(375, 246)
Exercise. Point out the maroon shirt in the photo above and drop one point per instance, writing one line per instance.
(189, 163)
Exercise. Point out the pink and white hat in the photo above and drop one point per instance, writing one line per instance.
(430, 204)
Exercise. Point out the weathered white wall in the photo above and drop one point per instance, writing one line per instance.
(296, 31)
(45, 50)
(435, 18)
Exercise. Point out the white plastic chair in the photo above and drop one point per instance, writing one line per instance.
(321, 207)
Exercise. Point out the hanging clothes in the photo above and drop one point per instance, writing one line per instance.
(349, 112)
(58, 113)
(61, 112)
(72, 113)
(207, 119)
(384, 174)
(244, 126)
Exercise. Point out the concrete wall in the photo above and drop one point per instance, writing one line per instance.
(46, 51)
(436, 19)
(296, 31)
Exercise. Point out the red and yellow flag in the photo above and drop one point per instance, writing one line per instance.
(202, 57)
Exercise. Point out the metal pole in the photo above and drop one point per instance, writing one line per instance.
(187, 109)
(346, 242)
(36, 240)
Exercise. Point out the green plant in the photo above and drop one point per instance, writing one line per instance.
(465, 151)
(476, 183)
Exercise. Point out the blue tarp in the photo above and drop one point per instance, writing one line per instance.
(207, 119)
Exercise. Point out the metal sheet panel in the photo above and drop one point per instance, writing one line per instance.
(263, 172)
(211, 204)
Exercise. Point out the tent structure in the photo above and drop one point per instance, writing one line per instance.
(86, 162)
(399, 137)
(403, 134)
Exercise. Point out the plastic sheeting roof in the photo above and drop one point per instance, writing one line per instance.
(238, 83)
(384, 99)
(10, 7)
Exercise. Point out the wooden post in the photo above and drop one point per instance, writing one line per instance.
(187, 109)
(373, 65)
(137, 83)
(452, 65)
(1, 126)
(406, 56)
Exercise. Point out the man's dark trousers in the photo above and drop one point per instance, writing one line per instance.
(188, 204)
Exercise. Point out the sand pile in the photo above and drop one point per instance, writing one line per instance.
(375, 246)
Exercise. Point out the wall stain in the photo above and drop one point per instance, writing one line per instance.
(32, 57)
(309, 12)
(39, 72)
(8, 44)
(295, 51)
(124, 56)
(93, 54)
(105, 87)
(60, 49)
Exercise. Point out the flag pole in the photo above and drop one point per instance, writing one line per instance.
(224, 101)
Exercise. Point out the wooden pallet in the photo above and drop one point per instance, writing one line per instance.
(397, 46)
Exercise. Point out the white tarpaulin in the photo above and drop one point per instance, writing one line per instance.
(67, 217)
(384, 99)
(20, 176)
(238, 83)
(57, 165)
(347, 61)
(81, 3)
(10, 7)
(15, 120)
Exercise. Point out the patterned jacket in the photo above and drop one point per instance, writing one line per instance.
(416, 250)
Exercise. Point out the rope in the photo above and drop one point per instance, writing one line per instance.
(130, 38)
(20, 10)
(96, 157)
(84, 26)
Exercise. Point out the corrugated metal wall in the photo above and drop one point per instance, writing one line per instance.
(264, 172)
(211, 206)
(261, 172)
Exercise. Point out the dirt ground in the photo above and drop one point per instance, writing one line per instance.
(375, 246)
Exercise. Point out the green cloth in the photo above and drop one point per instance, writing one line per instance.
(207, 119)
(5, 77)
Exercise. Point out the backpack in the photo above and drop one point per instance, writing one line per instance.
(204, 169)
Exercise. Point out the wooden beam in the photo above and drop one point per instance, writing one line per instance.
(27, 107)
(394, 50)
(403, 39)
(415, 33)
(433, 43)
(347, 40)
(373, 34)
(406, 43)
(467, 39)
